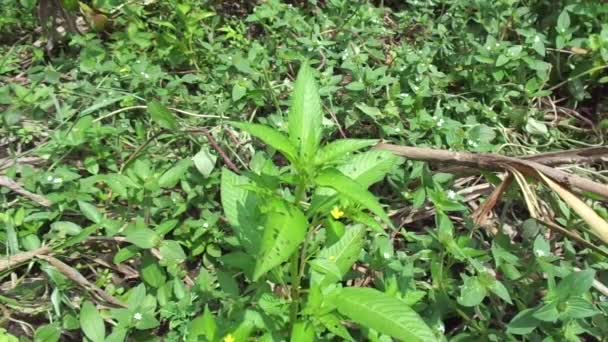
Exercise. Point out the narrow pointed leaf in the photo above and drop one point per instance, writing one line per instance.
(340, 148)
(284, 231)
(383, 313)
(305, 115)
(241, 210)
(270, 137)
(370, 167)
(343, 254)
(162, 116)
(333, 324)
(344, 185)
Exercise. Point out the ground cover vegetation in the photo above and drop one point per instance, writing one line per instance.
(200, 170)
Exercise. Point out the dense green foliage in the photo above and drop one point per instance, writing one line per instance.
(122, 128)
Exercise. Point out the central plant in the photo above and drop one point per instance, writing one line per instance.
(304, 226)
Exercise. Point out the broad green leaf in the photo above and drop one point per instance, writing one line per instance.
(333, 324)
(66, 227)
(204, 325)
(162, 116)
(118, 335)
(172, 251)
(91, 323)
(523, 323)
(172, 176)
(241, 208)
(472, 292)
(151, 272)
(90, 211)
(204, 161)
(369, 167)
(302, 332)
(143, 237)
(305, 115)
(344, 185)
(501, 291)
(339, 149)
(284, 230)
(343, 254)
(575, 283)
(370, 111)
(271, 137)
(238, 91)
(383, 313)
(578, 307)
(563, 22)
(45, 333)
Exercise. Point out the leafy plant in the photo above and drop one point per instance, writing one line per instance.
(296, 205)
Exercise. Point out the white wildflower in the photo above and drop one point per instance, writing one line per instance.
(451, 194)
(205, 225)
(137, 316)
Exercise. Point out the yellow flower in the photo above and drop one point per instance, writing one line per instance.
(229, 338)
(336, 213)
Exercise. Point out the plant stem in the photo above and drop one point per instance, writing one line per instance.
(296, 276)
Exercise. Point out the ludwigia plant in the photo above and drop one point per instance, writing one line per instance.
(303, 226)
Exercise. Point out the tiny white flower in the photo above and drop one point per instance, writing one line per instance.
(205, 225)
(536, 39)
(451, 194)
(497, 45)
(57, 180)
(540, 253)
(137, 316)
(488, 48)
(440, 123)
(397, 130)
(386, 255)
(146, 76)
(49, 178)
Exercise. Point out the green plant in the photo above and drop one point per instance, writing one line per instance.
(303, 225)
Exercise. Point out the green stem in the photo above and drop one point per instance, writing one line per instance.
(296, 275)
(587, 72)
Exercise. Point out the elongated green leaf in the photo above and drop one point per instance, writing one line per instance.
(284, 230)
(172, 176)
(344, 185)
(369, 167)
(333, 324)
(162, 116)
(305, 115)
(302, 332)
(366, 168)
(66, 228)
(241, 208)
(343, 254)
(383, 313)
(271, 137)
(341, 148)
(90, 211)
(91, 323)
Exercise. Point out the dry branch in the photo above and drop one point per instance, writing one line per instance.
(79, 279)
(16, 187)
(494, 162)
(11, 261)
